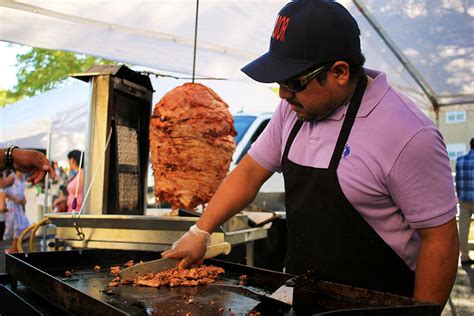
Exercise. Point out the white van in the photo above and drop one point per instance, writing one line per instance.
(249, 127)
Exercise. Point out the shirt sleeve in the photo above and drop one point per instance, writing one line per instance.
(421, 183)
(266, 150)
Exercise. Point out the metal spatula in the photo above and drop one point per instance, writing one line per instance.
(159, 265)
(285, 292)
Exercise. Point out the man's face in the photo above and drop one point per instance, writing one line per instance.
(317, 101)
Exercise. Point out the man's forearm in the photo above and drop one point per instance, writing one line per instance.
(437, 263)
(234, 194)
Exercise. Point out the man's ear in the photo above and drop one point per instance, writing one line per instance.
(341, 73)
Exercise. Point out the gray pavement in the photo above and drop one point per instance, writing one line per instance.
(461, 301)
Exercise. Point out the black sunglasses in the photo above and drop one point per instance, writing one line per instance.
(298, 84)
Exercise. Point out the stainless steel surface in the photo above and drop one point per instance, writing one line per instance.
(140, 232)
(95, 144)
(174, 223)
(135, 222)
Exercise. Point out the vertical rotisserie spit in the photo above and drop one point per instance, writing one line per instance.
(192, 142)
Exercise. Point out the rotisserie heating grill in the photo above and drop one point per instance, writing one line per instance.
(117, 141)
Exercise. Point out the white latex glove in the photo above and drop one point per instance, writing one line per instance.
(190, 248)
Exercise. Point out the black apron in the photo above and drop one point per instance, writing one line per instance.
(326, 233)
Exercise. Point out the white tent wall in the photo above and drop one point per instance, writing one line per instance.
(60, 111)
(160, 34)
(63, 112)
(157, 34)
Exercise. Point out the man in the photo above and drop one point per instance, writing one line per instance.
(369, 195)
(465, 192)
(32, 162)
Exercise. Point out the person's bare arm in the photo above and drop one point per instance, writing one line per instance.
(31, 161)
(237, 191)
(437, 263)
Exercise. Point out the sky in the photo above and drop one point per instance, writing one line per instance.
(8, 70)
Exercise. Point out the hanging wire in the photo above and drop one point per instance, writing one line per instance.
(76, 216)
(157, 74)
(195, 39)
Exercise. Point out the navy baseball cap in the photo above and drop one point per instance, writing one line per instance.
(306, 33)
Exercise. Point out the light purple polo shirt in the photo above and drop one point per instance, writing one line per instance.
(395, 160)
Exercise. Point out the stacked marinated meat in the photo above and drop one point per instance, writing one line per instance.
(174, 277)
(192, 142)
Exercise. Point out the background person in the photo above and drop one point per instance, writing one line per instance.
(370, 200)
(77, 181)
(3, 208)
(33, 162)
(465, 193)
(60, 203)
(16, 220)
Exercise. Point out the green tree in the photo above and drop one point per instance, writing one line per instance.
(6, 97)
(43, 69)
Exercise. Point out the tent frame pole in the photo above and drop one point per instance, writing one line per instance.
(399, 54)
(46, 187)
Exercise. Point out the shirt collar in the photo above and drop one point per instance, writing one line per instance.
(372, 96)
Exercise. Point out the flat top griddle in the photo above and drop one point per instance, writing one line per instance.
(86, 290)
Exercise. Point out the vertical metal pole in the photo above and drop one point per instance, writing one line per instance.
(195, 39)
(46, 179)
(425, 87)
(89, 134)
(46, 187)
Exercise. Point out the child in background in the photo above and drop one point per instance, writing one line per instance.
(60, 204)
(16, 221)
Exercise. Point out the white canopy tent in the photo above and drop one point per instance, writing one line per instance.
(59, 115)
(426, 48)
(429, 40)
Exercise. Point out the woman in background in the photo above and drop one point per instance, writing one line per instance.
(3, 206)
(78, 179)
(16, 220)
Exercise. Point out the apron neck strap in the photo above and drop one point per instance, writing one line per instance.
(291, 137)
(348, 121)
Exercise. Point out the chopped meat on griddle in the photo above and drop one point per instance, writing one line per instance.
(115, 270)
(185, 277)
(192, 142)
